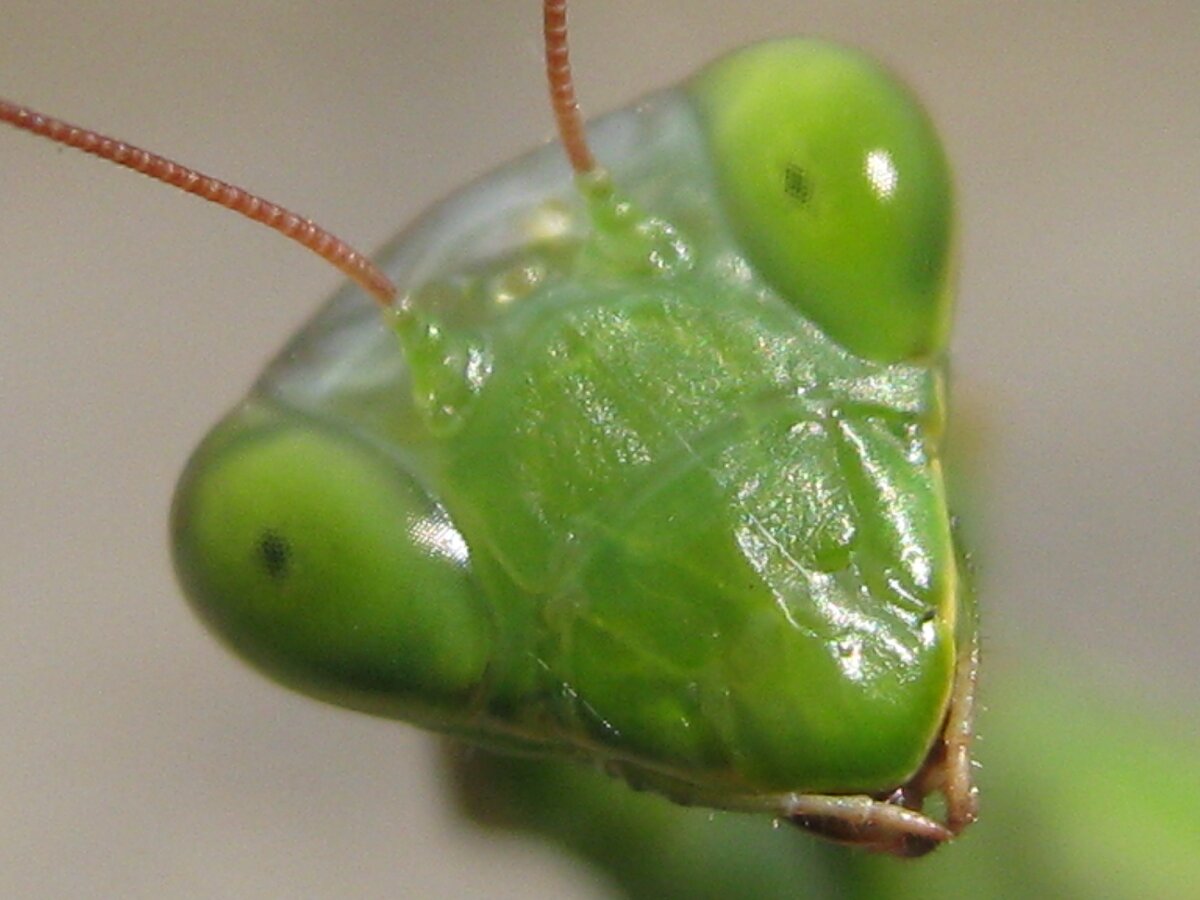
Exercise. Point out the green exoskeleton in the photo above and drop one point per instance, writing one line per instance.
(642, 471)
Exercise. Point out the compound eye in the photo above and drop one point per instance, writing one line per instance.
(323, 562)
(837, 190)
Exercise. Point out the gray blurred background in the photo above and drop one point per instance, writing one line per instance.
(137, 759)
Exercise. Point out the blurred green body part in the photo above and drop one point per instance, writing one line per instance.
(1086, 799)
(645, 473)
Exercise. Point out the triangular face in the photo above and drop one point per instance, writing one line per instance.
(679, 528)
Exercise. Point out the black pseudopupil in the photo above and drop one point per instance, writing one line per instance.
(796, 183)
(275, 554)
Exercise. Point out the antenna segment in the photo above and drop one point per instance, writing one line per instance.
(562, 89)
(301, 230)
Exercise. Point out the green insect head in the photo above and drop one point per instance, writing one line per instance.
(646, 474)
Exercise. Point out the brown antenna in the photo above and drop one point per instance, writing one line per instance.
(299, 229)
(562, 89)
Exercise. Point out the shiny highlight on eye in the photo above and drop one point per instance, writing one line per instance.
(881, 173)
